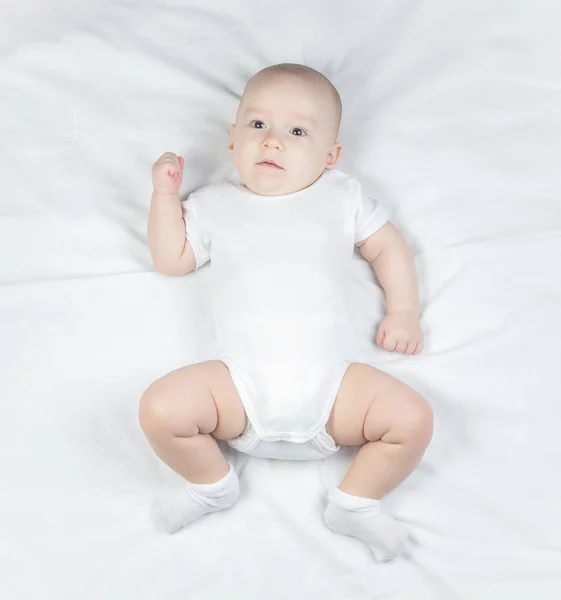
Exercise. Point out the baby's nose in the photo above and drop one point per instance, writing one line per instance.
(272, 141)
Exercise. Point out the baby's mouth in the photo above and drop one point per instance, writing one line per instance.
(270, 164)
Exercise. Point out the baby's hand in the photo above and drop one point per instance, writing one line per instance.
(167, 173)
(401, 332)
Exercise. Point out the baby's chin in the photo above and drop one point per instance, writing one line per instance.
(274, 187)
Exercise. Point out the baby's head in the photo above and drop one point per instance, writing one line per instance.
(289, 116)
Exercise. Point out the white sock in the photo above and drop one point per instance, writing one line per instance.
(178, 508)
(362, 518)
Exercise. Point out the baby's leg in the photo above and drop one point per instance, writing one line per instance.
(394, 425)
(392, 421)
(181, 414)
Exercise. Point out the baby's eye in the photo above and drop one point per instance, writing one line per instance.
(298, 131)
(257, 124)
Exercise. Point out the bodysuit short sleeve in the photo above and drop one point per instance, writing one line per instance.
(195, 231)
(370, 215)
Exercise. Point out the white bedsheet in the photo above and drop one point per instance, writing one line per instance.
(452, 115)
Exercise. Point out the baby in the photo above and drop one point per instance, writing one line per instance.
(286, 382)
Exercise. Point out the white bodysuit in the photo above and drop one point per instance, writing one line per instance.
(280, 272)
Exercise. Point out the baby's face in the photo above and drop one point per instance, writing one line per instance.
(284, 136)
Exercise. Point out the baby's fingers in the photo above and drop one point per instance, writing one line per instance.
(412, 347)
(170, 159)
(389, 342)
(167, 156)
(176, 167)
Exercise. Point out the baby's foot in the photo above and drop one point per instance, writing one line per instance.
(178, 508)
(361, 518)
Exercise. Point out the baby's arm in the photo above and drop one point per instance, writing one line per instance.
(171, 252)
(390, 256)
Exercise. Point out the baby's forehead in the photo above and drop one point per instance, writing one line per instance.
(294, 84)
(294, 93)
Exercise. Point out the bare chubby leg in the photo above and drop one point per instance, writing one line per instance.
(183, 413)
(393, 423)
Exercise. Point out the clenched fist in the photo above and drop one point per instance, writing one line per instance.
(167, 173)
(401, 332)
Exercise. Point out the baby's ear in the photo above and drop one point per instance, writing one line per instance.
(232, 132)
(333, 155)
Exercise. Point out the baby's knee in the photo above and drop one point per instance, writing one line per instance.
(417, 421)
(153, 411)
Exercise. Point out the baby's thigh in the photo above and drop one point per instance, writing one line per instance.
(200, 398)
(372, 405)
